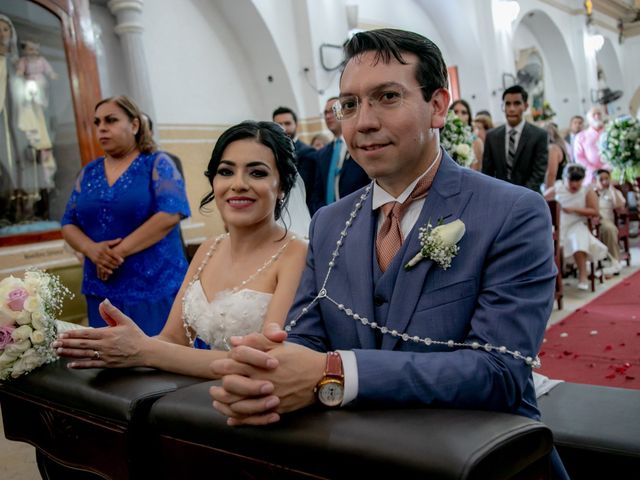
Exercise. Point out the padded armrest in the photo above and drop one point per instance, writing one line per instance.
(114, 394)
(589, 417)
(406, 443)
(596, 429)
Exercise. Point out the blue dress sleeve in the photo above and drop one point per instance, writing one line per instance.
(168, 187)
(71, 211)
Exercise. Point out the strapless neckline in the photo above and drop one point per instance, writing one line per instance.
(227, 291)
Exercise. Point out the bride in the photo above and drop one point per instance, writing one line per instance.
(235, 284)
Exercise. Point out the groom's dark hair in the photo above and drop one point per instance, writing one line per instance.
(431, 71)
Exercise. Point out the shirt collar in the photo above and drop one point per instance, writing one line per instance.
(381, 196)
(518, 127)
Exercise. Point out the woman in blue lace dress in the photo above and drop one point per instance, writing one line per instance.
(123, 215)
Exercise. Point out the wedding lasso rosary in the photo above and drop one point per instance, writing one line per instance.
(323, 294)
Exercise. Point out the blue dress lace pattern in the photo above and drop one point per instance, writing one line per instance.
(145, 285)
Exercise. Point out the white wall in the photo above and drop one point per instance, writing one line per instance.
(212, 64)
(108, 52)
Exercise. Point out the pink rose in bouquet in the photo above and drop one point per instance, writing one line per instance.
(5, 336)
(16, 299)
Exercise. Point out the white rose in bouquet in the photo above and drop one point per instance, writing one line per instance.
(37, 320)
(27, 362)
(32, 303)
(21, 333)
(18, 347)
(37, 337)
(23, 318)
(463, 150)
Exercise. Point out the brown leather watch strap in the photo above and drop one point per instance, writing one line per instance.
(334, 365)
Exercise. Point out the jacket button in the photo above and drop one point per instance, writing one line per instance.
(378, 300)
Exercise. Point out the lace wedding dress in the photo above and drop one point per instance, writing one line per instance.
(231, 312)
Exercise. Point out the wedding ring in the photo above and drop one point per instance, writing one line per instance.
(96, 355)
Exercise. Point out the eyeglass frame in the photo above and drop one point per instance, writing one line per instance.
(382, 90)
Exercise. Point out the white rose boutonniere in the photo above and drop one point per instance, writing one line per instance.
(439, 244)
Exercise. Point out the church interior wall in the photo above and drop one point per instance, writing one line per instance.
(213, 63)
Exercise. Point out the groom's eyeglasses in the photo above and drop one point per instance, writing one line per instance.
(387, 97)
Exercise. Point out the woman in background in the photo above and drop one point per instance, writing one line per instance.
(463, 111)
(577, 204)
(558, 156)
(123, 216)
(252, 171)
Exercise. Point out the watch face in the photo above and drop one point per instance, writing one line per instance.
(331, 394)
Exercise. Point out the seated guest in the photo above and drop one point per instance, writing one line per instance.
(123, 215)
(558, 156)
(609, 198)
(463, 111)
(251, 172)
(577, 203)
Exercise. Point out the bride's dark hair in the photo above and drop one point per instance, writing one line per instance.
(272, 136)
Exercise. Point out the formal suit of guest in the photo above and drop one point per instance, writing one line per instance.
(531, 156)
(498, 291)
(306, 156)
(350, 177)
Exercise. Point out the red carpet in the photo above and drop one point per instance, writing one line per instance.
(598, 344)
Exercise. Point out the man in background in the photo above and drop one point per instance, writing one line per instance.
(518, 151)
(288, 120)
(586, 150)
(337, 174)
(575, 127)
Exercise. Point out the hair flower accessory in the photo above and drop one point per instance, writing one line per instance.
(27, 321)
(438, 244)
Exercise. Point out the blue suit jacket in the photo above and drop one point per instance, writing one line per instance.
(499, 290)
(352, 177)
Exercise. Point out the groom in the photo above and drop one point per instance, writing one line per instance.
(367, 330)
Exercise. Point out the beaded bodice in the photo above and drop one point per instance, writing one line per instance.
(232, 312)
(229, 313)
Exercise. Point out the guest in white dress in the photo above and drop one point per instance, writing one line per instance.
(236, 282)
(578, 203)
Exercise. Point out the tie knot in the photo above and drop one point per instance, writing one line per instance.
(391, 208)
(513, 132)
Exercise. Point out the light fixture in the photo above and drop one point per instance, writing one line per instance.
(505, 12)
(594, 42)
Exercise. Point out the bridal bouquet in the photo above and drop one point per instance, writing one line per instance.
(457, 139)
(28, 308)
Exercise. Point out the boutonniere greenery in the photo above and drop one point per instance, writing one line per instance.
(438, 244)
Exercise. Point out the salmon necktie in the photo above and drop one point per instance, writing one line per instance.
(389, 239)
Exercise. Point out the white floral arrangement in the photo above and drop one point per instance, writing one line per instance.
(456, 138)
(439, 244)
(620, 146)
(28, 308)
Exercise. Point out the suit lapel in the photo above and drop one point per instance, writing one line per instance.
(446, 201)
(500, 150)
(356, 253)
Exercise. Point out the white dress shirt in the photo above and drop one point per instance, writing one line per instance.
(380, 197)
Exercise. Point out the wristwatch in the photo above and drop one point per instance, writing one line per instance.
(330, 390)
